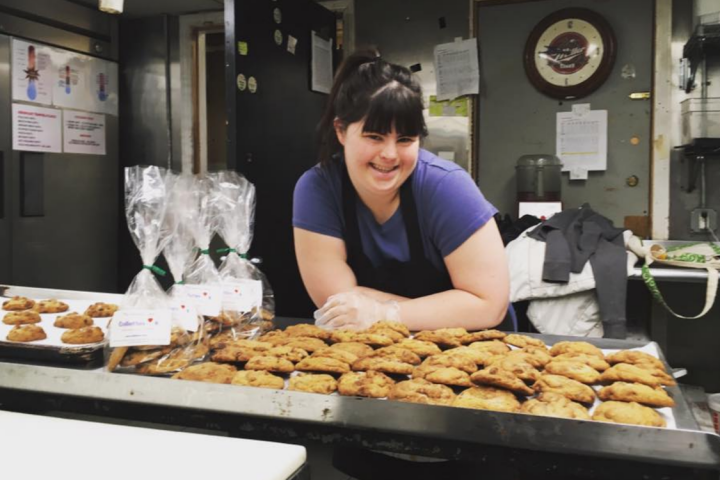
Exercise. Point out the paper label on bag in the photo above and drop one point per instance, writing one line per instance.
(242, 295)
(135, 327)
(184, 312)
(207, 298)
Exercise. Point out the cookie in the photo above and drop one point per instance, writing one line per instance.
(497, 377)
(323, 364)
(18, 303)
(576, 347)
(208, 372)
(270, 364)
(419, 347)
(482, 336)
(309, 344)
(658, 373)
(575, 370)
(637, 392)
(360, 350)
(275, 337)
(372, 384)
(431, 364)
(116, 357)
(449, 376)
(26, 333)
(518, 356)
(259, 378)
(313, 383)
(521, 341)
(289, 353)
(385, 325)
(624, 372)
(494, 347)
(78, 336)
(21, 317)
(443, 338)
(235, 354)
(382, 364)
(371, 339)
(473, 354)
(101, 310)
(541, 355)
(516, 364)
(341, 355)
(397, 353)
(387, 332)
(572, 389)
(422, 391)
(629, 413)
(51, 306)
(487, 398)
(555, 405)
(634, 357)
(73, 320)
(590, 360)
(307, 330)
(136, 357)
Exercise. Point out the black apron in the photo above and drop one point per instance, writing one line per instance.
(415, 278)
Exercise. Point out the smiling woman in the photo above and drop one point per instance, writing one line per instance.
(385, 230)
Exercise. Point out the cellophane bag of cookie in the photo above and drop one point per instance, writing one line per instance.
(144, 317)
(202, 282)
(248, 299)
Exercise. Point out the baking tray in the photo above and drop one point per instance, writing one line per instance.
(51, 351)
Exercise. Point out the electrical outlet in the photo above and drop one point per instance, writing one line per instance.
(703, 220)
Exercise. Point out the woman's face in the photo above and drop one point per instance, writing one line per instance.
(378, 164)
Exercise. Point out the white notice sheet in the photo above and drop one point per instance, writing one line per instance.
(321, 64)
(83, 133)
(581, 140)
(36, 129)
(456, 69)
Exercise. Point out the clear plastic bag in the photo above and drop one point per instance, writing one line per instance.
(144, 316)
(248, 299)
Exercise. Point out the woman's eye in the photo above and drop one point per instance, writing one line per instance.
(406, 140)
(377, 138)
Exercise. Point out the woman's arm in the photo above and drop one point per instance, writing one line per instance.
(477, 268)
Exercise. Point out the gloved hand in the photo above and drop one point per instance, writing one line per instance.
(355, 311)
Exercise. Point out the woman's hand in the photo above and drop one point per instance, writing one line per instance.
(355, 311)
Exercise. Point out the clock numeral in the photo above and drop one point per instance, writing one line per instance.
(567, 81)
(570, 24)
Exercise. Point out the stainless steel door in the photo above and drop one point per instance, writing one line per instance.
(68, 238)
(5, 146)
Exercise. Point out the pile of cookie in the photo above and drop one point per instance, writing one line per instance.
(487, 370)
(25, 315)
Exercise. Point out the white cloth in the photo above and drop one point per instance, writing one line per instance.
(556, 308)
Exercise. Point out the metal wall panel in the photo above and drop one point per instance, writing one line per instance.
(406, 33)
(5, 161)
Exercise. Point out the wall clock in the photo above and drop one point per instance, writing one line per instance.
(570, 53)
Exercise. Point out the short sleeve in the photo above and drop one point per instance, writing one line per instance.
(315, 207)
(457, 209)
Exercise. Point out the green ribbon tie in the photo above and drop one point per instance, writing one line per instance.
(155, 269)
(226, 250)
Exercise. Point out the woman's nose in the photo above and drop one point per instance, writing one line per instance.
(389, 151)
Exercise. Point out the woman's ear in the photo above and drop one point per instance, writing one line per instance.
(340, 131)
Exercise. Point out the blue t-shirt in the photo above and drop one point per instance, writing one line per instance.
(450, 209)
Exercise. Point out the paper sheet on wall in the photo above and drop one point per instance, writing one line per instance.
(581, 140)
(84, 133)
(456, 69)
(36, 129)
(53, 76)
(321, 64)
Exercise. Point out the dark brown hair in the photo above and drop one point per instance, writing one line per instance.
(368, 88)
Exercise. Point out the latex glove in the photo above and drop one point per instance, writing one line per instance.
(355, 311)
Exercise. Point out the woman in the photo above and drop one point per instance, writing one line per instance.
(385, 230)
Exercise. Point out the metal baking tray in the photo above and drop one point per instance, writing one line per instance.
(85, 356)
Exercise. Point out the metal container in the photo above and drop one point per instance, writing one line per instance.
(538, 178)
(700, 118)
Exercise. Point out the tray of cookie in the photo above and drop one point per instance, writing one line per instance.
(55, 326)
(486, 370)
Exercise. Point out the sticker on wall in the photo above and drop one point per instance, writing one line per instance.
(242, 48)
(242, 82)
(278, 37)
(252, 84)
(277, 15)
(292, 43)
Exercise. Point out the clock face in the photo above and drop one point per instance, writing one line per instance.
(570, 53)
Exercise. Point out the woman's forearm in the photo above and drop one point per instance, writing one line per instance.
(378, 295)
(452, 308)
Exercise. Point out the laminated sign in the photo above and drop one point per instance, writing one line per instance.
(242, 295)
(140, 327)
